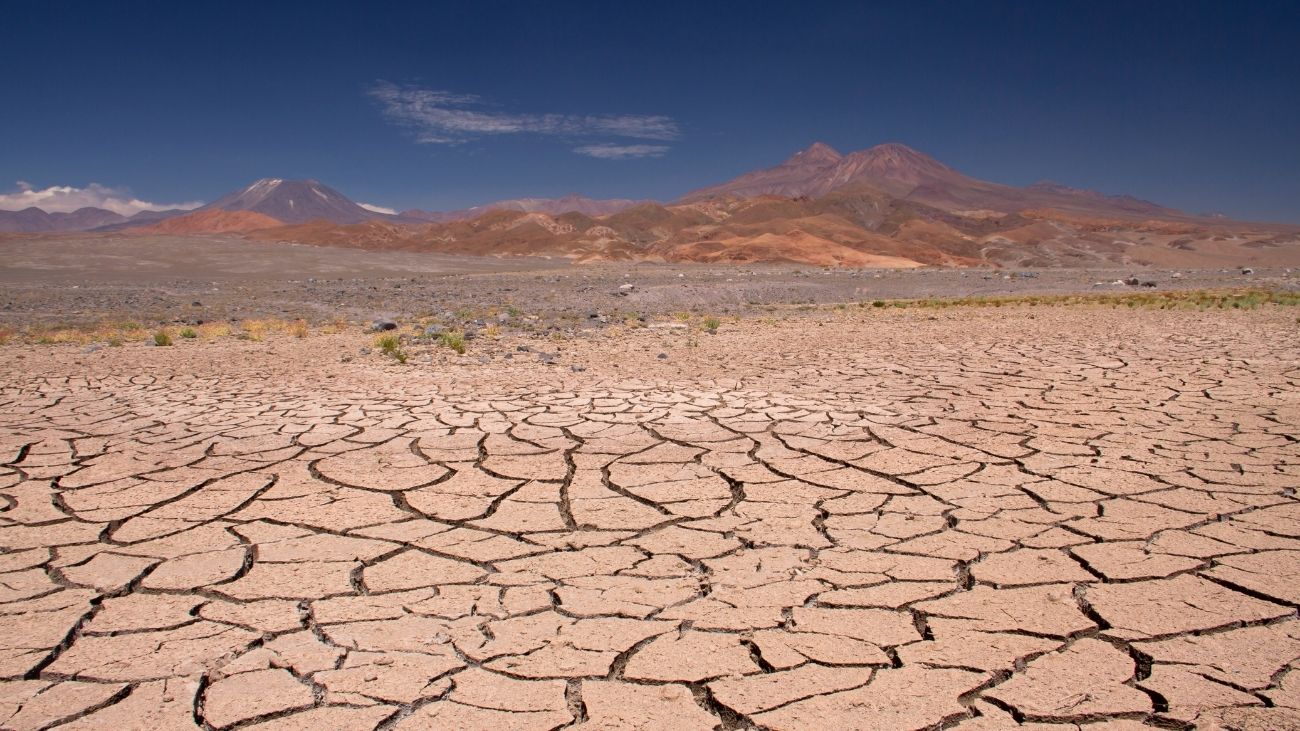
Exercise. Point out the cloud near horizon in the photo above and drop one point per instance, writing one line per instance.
(378, 209)
(67, 198)
(445, 118)
(606, 151)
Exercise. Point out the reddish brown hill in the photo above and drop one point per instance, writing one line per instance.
(367, 235)
(907, 174)
(211, 222)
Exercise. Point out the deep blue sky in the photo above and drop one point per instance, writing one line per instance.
(1191, 104)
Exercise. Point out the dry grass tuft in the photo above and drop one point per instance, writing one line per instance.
(1247, 299)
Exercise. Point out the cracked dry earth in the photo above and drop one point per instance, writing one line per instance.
(1082, 518)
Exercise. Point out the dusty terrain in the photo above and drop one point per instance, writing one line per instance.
(852, 519)
(84, 279)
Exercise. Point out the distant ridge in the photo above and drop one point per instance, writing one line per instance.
(572, 203)
(30, 220)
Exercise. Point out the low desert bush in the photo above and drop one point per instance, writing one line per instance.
(453, 340)
(189, 333)
(391, 346)
(161, 338)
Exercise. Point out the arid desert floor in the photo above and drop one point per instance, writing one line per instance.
(83, 279)
(968, 518)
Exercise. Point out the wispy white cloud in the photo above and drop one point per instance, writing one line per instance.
(66, 198)
(378, 209)
(441, 117)
(605, 151)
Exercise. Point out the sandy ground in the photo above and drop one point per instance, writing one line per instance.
(165, 279)
(1079, 517)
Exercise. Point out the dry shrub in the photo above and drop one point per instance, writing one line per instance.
(214, 330)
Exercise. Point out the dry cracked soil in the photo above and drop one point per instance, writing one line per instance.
(1050, 519)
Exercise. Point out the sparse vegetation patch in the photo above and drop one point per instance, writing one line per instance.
(453, 340)
(391, 346)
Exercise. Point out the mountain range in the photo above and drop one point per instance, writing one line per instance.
(888, 205)
(34, 219)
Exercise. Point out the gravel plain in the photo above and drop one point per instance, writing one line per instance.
(159, 279)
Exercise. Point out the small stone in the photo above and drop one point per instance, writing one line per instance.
(662, 356)
(382, 324)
